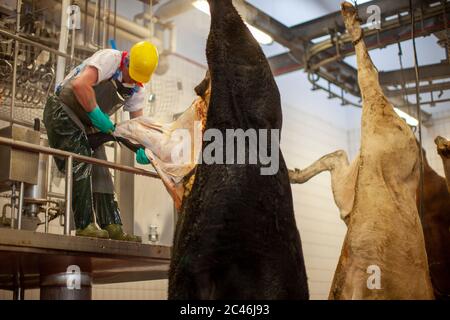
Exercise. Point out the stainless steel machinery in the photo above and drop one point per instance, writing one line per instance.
(29, 171)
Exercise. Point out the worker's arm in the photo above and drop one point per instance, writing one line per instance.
(82, 88)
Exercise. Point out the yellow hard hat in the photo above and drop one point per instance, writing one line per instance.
(143, 61)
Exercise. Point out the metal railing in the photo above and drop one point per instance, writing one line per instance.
(70, 157)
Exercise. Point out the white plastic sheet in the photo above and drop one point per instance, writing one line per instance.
(174, 146)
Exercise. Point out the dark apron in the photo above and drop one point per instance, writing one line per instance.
(111, 96)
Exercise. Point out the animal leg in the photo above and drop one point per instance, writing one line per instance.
(343, 178)
(331, 162)
(374, 100)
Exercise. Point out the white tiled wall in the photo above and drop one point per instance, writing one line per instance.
(305, 139)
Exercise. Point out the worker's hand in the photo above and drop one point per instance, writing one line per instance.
(101, 121)
(141, 158)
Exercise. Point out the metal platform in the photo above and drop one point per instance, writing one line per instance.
(25, 257)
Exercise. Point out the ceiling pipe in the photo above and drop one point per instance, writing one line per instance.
(168, 10)
(63, 40)
(173, 8)
(126, 26)
(120, 33)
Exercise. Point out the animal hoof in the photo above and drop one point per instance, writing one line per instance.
(347, 8)
(443, 146)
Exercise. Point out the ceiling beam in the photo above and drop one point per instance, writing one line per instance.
(408, 75)
(434, 87)
(295, 59)
(321, 26)
(394, 32)
(285, 63)
(337, 72)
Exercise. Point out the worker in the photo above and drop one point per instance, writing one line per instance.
(82, 104)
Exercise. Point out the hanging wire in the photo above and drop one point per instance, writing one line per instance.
(405, 95)
(149, 86)
(419, 113)
(93, 25)
(96, 24)
(151, 20)
(115, 20)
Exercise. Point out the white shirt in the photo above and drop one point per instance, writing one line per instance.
(107, 61)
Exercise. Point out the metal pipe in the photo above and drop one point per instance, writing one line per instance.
(324, 46)
(13, 203)
(98, 21)
(36, 44)
(149, 11)
(105, 18)
(46, 218)
(331, 94)
(419, 113)
(85, 35)
(170, 9)
(124, 28)
(72, 46)
(16, 54)
(115, 19)
(68, 211)
(56, 152)
(18, 293)
(108, 24)
(55, 195)
(63, 40)
(20, 209)
(124, 24)
(94, 25)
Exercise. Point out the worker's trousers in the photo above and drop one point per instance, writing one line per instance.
(64, 134)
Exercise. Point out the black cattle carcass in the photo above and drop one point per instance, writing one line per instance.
(236, 237)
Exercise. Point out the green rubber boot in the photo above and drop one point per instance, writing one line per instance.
(92, 231)
(116, 233)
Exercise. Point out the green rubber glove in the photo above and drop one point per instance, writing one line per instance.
(141, 157)
(101, 121)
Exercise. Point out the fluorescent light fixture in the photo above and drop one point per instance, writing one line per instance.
(409, 120)
(260, 36)
(202, 5)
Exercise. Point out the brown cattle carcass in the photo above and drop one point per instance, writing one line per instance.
(436, 211)
(436, 228)
(377, 197)
(443, 146)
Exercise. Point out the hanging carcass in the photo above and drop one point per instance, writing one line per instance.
(383, 255)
